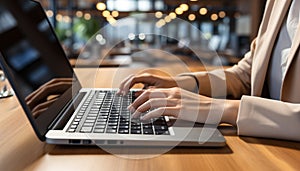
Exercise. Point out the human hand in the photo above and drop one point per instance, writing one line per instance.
(182, 104)
(157, 81)
(39, 100)
(149, 81)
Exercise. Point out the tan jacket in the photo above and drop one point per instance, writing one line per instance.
(259, 116)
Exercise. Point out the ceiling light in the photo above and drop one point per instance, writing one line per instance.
(184, 7)
(168, 19)
(222, 14)
(115, 13)
(158, 14)
(79, 14)
(87, 16)
(172, 15)
(101, 6)
(131, 36)
(203, 11)
(105, 13)
(178, 11)
(142, 36)
(192, 17)
(67, 19)
(49, 13)
(214, 17)
(59, 17)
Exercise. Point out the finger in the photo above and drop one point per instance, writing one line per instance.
(163, 111)
(138, 93)
(121, 87)
(145, 96)
(152, 104)
(145, 79)
(129, 84)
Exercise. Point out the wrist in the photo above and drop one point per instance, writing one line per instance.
(231, 112)
(188, 82)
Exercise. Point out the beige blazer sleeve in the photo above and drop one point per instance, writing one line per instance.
(268, 118)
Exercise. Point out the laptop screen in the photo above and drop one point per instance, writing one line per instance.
(35, 62)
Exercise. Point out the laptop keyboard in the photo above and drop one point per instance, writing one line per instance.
(106, 112)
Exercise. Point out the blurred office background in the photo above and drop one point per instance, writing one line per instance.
(227, 26)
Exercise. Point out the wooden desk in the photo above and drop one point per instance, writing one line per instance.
(20, 149)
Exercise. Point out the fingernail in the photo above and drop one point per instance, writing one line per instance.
(130, 108)
(144, 118)
(134, 115)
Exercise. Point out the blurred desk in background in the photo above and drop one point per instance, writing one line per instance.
(111, 61)
(154, 58)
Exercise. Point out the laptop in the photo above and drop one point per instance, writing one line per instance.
(59, 109)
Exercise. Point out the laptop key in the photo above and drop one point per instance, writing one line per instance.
(73, 126)
(86, 129)
(124, 127)
(111, 127)
(99, 130)
(102, 117)
(136, 131)
(89, 121)
(75, 123)
(100, 123)
(91, 117)
(147, 126)
(124, 123)
(111, 131)
(136, 127)
(77, 119)
(102, 120)
(112, 123)
(123, 131)
(93, 112)
(112, 120)
(163, 128)
(71, 130)
(99, 126)
(88, 124)
(162, 132)
(148, 131)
